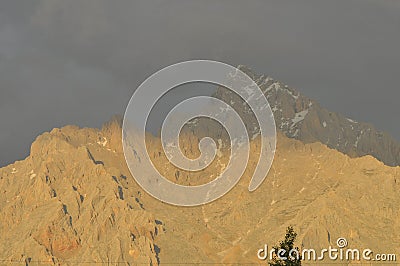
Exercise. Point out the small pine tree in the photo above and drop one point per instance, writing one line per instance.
(287, 245)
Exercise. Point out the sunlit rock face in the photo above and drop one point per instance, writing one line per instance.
(73, 200)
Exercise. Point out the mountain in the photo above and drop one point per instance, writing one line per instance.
(304, 119)
(63, 204)
(73, 201)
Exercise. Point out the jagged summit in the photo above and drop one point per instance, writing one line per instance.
(302, 118)
(73, 200)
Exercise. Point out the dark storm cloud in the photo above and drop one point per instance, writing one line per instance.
(77, 62)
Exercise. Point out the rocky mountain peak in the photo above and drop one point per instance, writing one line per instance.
(302, 118)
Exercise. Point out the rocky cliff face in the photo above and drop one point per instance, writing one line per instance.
(73, 201)
(304, 119)
(63, 205)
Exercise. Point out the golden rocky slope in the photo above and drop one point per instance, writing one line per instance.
(73, 200)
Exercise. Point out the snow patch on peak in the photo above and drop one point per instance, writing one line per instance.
(298, 117)
(351, 120)
(277, 86)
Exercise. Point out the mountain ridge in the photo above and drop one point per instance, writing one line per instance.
(302, 118)
(73, 200)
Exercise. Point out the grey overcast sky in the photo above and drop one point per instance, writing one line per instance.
(78, 62)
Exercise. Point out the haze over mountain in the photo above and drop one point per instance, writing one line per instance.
(73, 200)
